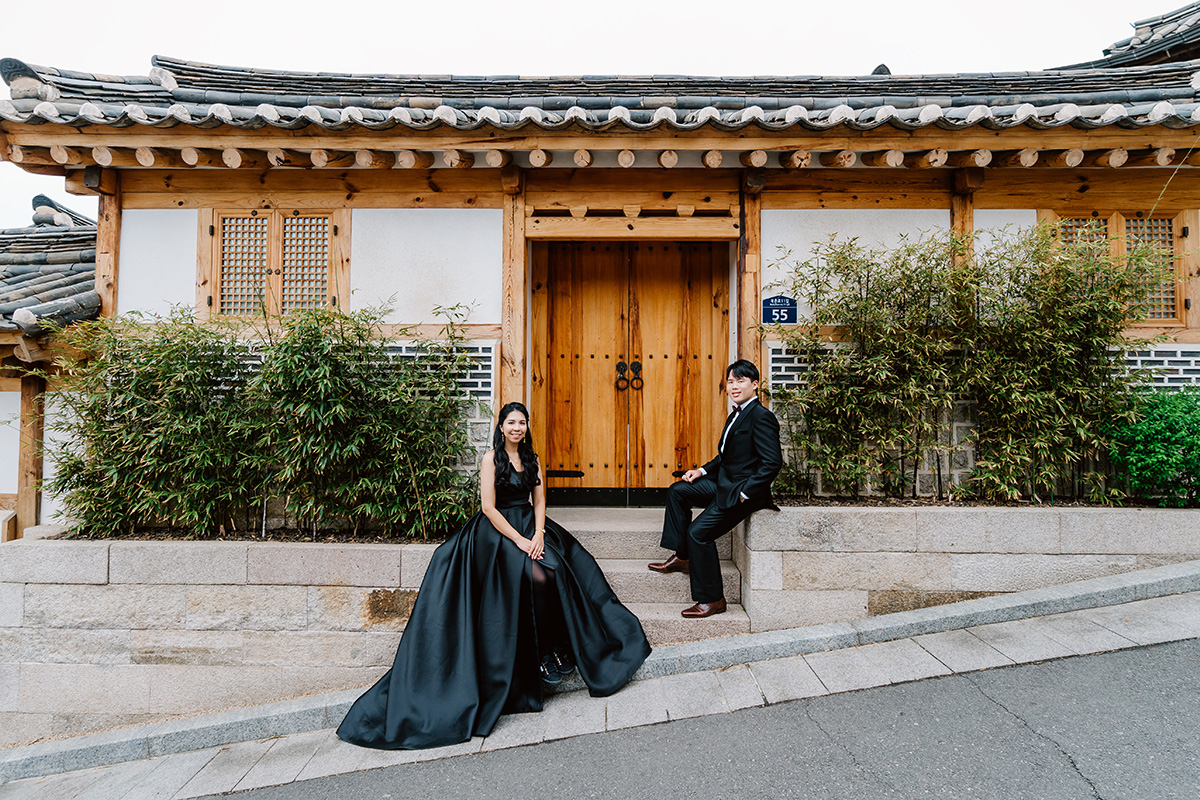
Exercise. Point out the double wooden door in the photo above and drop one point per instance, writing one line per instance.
(630, 341)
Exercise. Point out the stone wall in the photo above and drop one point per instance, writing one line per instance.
(811, 565)
(99, 634)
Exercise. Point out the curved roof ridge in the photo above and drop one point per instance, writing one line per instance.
(1173, 36)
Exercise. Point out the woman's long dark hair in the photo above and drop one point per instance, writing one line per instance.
(504, 468)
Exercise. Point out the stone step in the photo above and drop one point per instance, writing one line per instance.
(664, 625)
(634, 583)
(622, 532)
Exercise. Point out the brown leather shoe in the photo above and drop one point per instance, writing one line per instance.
(701, 610)
(672, 564)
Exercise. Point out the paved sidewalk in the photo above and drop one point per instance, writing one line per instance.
(303, 756)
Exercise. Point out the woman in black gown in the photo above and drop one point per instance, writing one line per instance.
(509, 602)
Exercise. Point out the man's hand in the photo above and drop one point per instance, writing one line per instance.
(692, 474)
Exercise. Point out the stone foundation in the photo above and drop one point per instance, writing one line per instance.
(101, 634)
(98, 635)
(810, 565)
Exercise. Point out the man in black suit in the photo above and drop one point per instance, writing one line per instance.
(729, 488)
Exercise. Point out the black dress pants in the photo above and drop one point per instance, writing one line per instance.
(696, 539)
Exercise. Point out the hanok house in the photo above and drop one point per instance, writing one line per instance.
(614, 236)
(47, 280)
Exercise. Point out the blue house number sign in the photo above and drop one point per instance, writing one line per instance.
(779, 310)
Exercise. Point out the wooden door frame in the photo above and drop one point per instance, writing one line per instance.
(745, 297)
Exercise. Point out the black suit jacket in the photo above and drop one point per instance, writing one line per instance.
(751, 460)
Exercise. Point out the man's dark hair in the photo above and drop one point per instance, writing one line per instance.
(742, 369)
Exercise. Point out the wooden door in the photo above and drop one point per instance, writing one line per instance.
(653, 313)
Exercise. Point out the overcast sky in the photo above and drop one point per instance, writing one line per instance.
(536, 37)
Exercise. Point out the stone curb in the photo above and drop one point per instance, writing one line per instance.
(318, 712)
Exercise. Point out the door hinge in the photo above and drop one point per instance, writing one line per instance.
(212, 230)
(335, 230)
(210, 301)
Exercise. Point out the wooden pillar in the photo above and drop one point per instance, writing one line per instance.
(29, 467)
(962, 201)
(108, 246)
(749, 274)
(513, 310)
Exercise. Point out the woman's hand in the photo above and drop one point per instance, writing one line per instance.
(537, 545)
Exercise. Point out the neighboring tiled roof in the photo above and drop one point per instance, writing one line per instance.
(48, 270)
(202, 95)
(1174, 36)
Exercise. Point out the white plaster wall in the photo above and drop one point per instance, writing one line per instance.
(798, 229)
(157, 260)
(10, 440)
(52, 505)
(414, 259)
(993, 223)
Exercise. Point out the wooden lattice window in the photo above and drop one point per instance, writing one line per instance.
(273, 260)
(1162, 302)
(1165, 305)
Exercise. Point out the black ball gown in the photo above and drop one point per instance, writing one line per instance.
(469, 652)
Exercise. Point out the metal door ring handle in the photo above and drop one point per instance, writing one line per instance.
(625, 381)
(637, 383)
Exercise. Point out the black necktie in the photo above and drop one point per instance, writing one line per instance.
(729, 424)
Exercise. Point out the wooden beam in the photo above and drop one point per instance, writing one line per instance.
(375, 159)
(512, 305)
(712, 159)
(159, 158)
(1062, 159)
(497, 158)
(540, 158)
(685, 210)
(579, 211)
(237, 158)
(114, 156)
(70, 156)
(631, 211)
(414, 159)
(1159, 157)
(838, 159)
(626, 158)
(668, 159)
(680, 228)
(753, 158)
(31, 351)
(108, 247)
(884, 158)
(1023, 158)
(749, 279)
(281, 157)
(582, 158)
(458, 159)
(795, 159)
(332, 159)
(930, 159)
(884, 137)
(202, 157)
(970, 158)
(27, 156)
(1106, 158)
(29, 458)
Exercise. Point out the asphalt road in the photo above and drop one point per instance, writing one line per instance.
(1116, 725)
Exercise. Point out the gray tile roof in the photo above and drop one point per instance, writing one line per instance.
(48, 270)
(177, 92)
(1174, 36)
